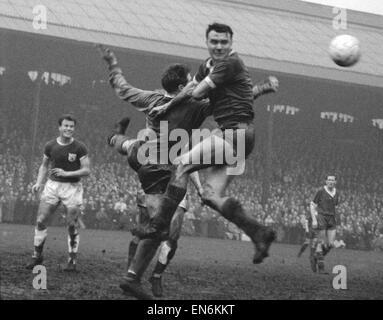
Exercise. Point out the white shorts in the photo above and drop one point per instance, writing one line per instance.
(70, 194)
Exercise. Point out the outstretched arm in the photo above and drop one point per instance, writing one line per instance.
(271, 84)
(140, 99)
(179, 98)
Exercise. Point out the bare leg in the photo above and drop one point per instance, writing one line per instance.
(45, 211)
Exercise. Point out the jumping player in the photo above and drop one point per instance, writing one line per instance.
(188, 115)
(226, 81)
(324, 222)
(66, 161)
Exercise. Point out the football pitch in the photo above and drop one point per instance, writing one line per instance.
(202, 268)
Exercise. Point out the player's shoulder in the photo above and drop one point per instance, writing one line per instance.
(51, 143)
(319, 191)
(79, 144)
(234, 59)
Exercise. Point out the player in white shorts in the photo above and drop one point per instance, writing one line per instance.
(65, 161)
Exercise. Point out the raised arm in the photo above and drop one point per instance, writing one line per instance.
(140, 99)
(271, 84)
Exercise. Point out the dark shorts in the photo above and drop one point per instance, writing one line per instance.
(248, 140)
(154, 178)
(326, 222)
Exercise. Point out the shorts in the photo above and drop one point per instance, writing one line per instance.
(248, 141)
(154, 178)
(141, 201)
(228, 147)
(326, 222)
(70, 194)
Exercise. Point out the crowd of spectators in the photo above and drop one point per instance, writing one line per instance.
(299, 167)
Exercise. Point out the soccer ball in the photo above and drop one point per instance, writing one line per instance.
(344, 50)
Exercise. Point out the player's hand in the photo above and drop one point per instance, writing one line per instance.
(36, 188)
(315, 224)
(107, 55)
(59, 172)
(274, 83)
(159, 110)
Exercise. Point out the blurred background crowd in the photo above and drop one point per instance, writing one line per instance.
(300, 164)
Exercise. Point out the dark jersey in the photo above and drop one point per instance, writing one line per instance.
(325, 202)
(66, 157)
(188, 115)
(232, 89)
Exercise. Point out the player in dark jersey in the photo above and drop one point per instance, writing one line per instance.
(324, 222)
(65, 161)
(154, 177)
(226, 81)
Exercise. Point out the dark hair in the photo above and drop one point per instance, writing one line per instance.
(68, 117)
(175, 75)
(219, 28)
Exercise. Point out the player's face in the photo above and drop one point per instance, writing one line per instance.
(218, 45)
(67, 128)
(331, 182)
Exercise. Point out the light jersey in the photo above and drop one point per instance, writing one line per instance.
(326, 203)
(232, 89)
(66, 157)
(188, 115)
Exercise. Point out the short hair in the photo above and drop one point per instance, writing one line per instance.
(174, 75)
(68, 117)
(219, 28)
(331, 175)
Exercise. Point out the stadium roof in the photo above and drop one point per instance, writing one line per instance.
(278, 35)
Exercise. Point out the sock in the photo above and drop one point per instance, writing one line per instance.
(167, 252)
(233, 211)
(132, 251)
(303, 248)
(146, 250)
(326, 249)
(119, 141)
(73, 239)
(39, 240)
(167, 207)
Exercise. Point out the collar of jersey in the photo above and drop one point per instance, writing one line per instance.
(64, 144)
(332, 194)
